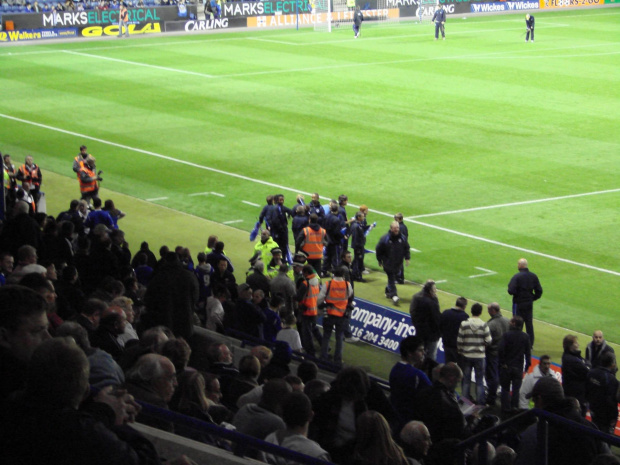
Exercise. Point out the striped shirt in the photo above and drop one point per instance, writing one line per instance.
(474, 336)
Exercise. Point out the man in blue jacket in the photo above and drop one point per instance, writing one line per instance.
(439, 18)
(391, 250)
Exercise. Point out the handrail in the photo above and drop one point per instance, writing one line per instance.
(482, 437)
(244, 442)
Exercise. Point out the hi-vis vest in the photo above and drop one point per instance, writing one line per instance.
(310, 301)
(33, 173)
(313, 243)
(336, 298)
(87, 186)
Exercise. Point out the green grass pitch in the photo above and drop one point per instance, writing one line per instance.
(493, 148)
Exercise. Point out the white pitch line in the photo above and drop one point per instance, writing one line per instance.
(441, 281)
(250, 203)
(289, 189)
(199, 193)
(137, 63)
(486, 272)
(414, 250)
(232, 222)
(283, 42)
(339, 65)
(514, 247)
(514, 204)
(157, 198)
(218, 194)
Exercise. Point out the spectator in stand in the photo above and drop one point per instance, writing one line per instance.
(153, 380)
(337, 410)
(406, 380)
(426, 317)
(214, 309)
(439, 407)
(203, 272)
(223, 277)
(171, 297)
(102, 262)
(235, 387)
(374, 444)
(574, 371)
(111, 326)
(278, 366)
(114, 212)
(217, 410)
(6, 266)
(273, 323)
(23, 327)
(151, 342)
(498, 326)
(216, 256)
(142, 269)
(257, 279)
(151, 259)
(45, 426)
(564, 445)
(289, 334)
(249, 318)
(596, 348)
(449, 325)
(120, 248)
(542, 370)
(20, 230)
(297, 414)
(262, 419)
(416, 441)
(282, 285)
(307, 371)
(40, 284)
(90, 316)
(514, 357)
(473, 338)
(220, 360)
(602, 391)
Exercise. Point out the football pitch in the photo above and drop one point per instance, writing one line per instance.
(493, 149)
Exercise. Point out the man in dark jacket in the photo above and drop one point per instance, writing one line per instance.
(574, 371)
(171, 297)
(597, 348)
(525, 288)
(602, 391)
(449, 325)
(358, 244)
(391, 250)
(426, 317)
(513, 354)
(333, 226)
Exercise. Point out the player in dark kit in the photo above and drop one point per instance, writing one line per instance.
(358, 17)
(529, 22)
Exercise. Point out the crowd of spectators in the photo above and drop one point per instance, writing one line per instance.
(25, 6)
(87, 327)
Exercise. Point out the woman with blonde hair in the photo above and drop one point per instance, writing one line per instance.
(374, 444)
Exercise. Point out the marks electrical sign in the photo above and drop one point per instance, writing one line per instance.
(84, 18)
(266, 8)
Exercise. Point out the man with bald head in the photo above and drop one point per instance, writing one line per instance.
(416, 441)
(596, 348)
(525, 288)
